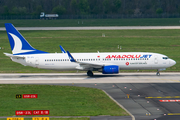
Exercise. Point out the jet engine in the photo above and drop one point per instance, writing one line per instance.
(112, 69)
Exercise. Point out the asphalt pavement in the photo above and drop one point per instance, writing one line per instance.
(140, 104)
(141, 94)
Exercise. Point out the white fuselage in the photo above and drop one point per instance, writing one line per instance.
(107, 63)
(125, 60)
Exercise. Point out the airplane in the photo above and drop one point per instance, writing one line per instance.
(106, 62)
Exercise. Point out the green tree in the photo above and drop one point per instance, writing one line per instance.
(117, 3)
(116, 6)
(59, 10)
(74, 6)
(83, 6)
(159, 11)
(178, 10)
(19, 10)
(38, 10)
(106, 5)
(6, 10)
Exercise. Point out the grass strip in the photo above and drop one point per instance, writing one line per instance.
(158, 41)
(59, 100)
(93, 22)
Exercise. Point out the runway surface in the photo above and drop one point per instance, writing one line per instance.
(140, 104)
(83, 78)
(144, 90)
(96, 28)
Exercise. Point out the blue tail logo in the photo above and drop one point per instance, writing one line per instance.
(18, 43)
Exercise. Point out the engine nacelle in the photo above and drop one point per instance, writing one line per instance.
(112, 69)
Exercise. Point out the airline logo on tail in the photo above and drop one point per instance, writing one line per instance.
(18, 45)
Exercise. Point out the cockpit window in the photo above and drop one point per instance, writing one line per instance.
(165, 58)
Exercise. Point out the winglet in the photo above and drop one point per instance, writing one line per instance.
(71, 57)
(62, 49)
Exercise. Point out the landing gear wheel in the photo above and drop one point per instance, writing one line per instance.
(90, 73)
(158, 74)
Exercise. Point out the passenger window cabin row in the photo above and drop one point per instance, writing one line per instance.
(49, 60)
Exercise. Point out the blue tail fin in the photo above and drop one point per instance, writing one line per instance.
(18, 43)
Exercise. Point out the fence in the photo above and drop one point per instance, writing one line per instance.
(8, 17)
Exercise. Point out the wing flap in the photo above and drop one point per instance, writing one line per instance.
(87, 66)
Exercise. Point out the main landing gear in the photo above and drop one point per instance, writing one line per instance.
(158, 74)
(90, 73)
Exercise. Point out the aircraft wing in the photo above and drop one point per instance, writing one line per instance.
(86, 65)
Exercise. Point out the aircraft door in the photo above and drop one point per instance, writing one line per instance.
(156, 59)
(100, 59)
(36, 61)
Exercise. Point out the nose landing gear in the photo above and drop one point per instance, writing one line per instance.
(158, 74)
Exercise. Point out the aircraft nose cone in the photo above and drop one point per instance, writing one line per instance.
(172, 62)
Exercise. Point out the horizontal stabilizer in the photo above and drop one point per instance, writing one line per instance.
(14, 56)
